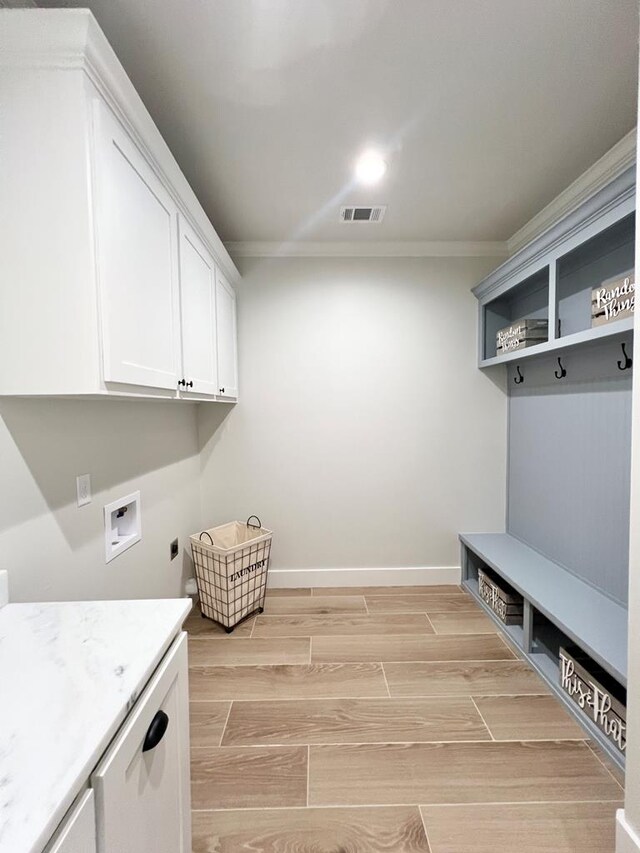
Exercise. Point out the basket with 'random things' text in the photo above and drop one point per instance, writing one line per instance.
(231, 564)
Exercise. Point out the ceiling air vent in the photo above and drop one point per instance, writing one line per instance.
(363, 214)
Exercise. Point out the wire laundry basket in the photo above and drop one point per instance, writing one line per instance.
(231, 563)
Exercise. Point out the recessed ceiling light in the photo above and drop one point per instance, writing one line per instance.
(370, 167)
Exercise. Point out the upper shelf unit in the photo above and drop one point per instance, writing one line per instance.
(552, 279)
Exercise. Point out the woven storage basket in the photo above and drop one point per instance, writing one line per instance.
(231, 563)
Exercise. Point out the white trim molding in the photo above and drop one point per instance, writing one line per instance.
(604, 170)
(413, 576)
(627, 839)
(373, 249)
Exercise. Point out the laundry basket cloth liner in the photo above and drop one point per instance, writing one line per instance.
(231, 563)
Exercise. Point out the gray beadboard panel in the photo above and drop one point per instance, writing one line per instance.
(569, 464)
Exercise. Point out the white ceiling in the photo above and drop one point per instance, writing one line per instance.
(485, 109)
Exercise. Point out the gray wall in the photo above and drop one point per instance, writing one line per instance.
(365, 435)
(569, 464)
(55, 550)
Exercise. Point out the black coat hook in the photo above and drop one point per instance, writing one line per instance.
(519, 379)
(627, 361)
(562, 372)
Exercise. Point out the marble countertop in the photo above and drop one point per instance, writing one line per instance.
(69, 673)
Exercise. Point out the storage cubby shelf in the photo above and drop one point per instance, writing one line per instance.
(559, 345)
(552, 279)
(549, 670)
(587, 617)
(515, 632)
(569, 609)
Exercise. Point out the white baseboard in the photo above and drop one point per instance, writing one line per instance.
(627, 839)
(416, 575)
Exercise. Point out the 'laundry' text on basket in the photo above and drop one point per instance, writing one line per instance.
(241, 572)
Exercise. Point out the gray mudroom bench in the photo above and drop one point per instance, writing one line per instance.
(559, 608)
(565, 545)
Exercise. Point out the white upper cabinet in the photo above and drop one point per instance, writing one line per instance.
(198, 313)
(136, 224)
(109, 263)
(227, 336)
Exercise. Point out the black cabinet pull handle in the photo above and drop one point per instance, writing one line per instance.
(182, 381)
(189, 384)
(156, 731)
(221, 390)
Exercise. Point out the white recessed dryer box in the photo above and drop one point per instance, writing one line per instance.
(122, 527)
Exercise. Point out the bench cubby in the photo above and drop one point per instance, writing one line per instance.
(560, 610)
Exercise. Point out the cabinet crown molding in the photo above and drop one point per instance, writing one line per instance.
(617, 160)
(619, 190)
(71, 39)
(377, 249)
(52, 38)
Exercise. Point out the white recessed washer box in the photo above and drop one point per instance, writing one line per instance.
(122, 527)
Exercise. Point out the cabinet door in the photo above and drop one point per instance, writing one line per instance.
(227, 332)
(198, 314)
(142, 796)
(137, 241)
(78, 831)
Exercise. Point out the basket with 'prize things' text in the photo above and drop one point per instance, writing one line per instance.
(507, 606)
(231, 563)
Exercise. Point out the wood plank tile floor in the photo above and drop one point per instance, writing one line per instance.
(392, 720)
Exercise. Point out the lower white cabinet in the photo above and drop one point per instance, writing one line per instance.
(77, 834)
(142, 783)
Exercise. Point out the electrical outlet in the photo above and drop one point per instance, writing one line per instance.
(83, 489)
(174, 549)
